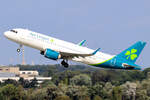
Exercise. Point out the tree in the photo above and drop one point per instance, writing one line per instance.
(102, 76)
(97, 89)
(33, 83)
(62, 98)
(10, 81)
(77, 92)
(142, 95)
(52, 70)
(107, 90)
(26, 84)
(53, 92)
(38, 94)
(129, 91)
(117, 93)
(143, 90)
(21, 81)
(20, 93)
(81, 79)
(11, 92)
(97, 98)
(85, 98)
(136, 75)
(64, 77)
(46, 83)
(145, 71)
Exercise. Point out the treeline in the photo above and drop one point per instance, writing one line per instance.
(80, 82)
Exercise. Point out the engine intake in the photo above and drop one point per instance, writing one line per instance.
(51, 54)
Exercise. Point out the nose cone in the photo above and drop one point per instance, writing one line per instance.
(6, 34)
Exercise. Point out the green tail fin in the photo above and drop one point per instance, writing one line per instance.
(132, 53)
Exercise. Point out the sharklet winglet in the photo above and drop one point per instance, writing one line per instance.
(96, 51)
(81, 43)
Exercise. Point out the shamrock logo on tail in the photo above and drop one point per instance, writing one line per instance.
(131, 54)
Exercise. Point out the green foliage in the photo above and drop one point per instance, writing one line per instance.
(50, 70)
(129, 90)
(77, 92)
(53, 92)
(97, 97)
(62, 98)
(33, 83)
(117, 93)
(46, 83)
(81, 79)
(38, 94)
(10, 81)
(143, 90)
(64, 77)
(10, 92)
(145, 72)
(79, 83)
(142, 95)
(97, 89)
(85, 98)
(27, 84)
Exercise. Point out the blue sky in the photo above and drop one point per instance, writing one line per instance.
(112, 25)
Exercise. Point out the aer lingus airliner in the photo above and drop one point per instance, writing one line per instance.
(55, 49)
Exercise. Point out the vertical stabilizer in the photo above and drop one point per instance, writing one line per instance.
(132, 53)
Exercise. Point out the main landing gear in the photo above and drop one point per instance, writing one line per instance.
(20, 46)
(65, 63)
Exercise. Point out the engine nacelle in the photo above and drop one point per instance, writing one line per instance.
(51, 54)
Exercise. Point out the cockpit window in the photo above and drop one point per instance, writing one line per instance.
(14, 31)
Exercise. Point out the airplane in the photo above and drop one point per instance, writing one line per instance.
(55, 49)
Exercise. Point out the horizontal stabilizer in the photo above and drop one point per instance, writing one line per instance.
(136, 67)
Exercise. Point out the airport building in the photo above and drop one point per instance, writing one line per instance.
(14, 70)
(15, 73)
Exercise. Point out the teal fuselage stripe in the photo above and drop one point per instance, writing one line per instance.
(100, 62)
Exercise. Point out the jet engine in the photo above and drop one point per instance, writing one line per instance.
(51, 54)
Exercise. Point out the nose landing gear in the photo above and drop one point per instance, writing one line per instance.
(18, 50)
(20, 46)
(65, 63)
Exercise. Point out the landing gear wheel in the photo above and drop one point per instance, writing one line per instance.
(65, 64)
(18, 50)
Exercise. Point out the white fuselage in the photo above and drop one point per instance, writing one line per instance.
(42, 42)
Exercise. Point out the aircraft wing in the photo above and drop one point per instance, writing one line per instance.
(65, 55)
